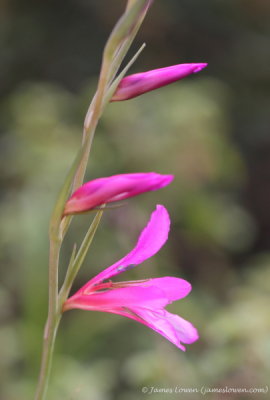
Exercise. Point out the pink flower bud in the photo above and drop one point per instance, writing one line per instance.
(113, 188)
(137, 84)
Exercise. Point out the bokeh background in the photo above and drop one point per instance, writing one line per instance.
(210, 130)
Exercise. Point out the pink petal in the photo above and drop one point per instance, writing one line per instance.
(151, 293)
(152, 238)
(134, 85)
(150, 296)
(172, 288)
(114, 188)
(171, 326)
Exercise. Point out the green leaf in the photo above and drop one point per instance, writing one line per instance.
(116, 82)
(76, 262)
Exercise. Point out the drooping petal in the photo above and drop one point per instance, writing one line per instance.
(152, 238)
(114, 188)
(134, 85)
(174, 328)
(171, 326)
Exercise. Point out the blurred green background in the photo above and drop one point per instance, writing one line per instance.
(210, 130)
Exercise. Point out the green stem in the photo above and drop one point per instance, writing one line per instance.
(54, 316)
(47, 355)
(90, 124)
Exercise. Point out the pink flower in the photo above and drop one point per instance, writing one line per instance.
(144, 301)
(113, 188)
(137, 84)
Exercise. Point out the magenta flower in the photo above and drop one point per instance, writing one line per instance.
(113, 188)
(145, 300)
(137, 84)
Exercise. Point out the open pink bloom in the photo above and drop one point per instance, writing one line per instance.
(144, 301)
(114, 188)
(137, 84)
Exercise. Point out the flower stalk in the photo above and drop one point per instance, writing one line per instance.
(125, 30)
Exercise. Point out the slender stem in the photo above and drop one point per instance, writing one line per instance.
(47, 355)
(55, 245)
(90, 124)
(54, 316)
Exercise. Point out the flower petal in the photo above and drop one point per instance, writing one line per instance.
(152, 238)
(174, 328)
(171, 326)
(172, 288)
(151, 293)
(130, 296)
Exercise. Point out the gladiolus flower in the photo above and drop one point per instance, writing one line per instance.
(137, 84)
(113, 188)
(143, 301)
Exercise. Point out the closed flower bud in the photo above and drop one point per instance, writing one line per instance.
(137, 84)
(114, 188)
